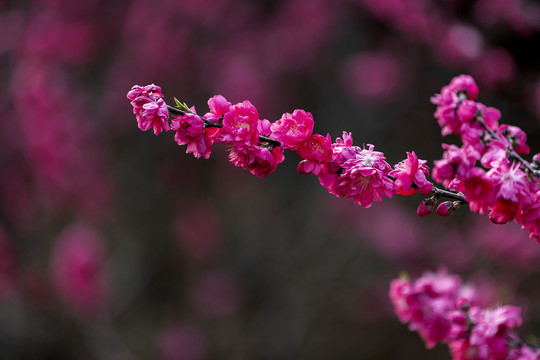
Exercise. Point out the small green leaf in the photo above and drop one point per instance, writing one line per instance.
(182, 106)
(404, 276)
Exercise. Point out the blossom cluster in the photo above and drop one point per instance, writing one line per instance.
(505, 185)
(345, 170)
(488, 168)
(444, 310)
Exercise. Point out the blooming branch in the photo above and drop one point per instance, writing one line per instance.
(443, 309)
(505, 185)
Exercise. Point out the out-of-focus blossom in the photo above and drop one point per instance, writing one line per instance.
(494, 67)
(181, 342)
(78, 269)
(456, 162)
(198, 231)
(461, 44)
(217, 294)
(371, 77)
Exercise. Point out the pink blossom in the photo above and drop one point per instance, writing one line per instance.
(491, 322)
(357, 173)
(467, 111)
(149, 108)
(464, 84)
(409, 171)
(456, 162)
(316, 152)
(240, 125)
(241, 156)
(471, 332)
(292, 130)
(265, 161)
(218, 105)
(460, 89)
(458, 318)
(445, 113)
(463, 350)
(264, 127)
(512, 190)
(503, 211)
(491, 116)
(491, 326)
(516, 138)
(478, 190)
(426, 304)
(529, 217)
(190, 131)
(148, 90)
(527, 353)
(364, 177)
(495, 153)
(402, 294)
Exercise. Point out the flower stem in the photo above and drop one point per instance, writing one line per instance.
(511, 152)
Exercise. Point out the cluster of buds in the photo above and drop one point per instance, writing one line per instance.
(444, 310)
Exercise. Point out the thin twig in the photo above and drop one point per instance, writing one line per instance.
(209, 123)
(511, 152)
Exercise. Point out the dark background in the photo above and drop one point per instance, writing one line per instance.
(115, 244)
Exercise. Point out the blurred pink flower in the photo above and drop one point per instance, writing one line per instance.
(78, 269)
(181, 342)
(198, 231)
(371, 76)
(494, 67)
(521, 15)
(460, 44)
(217, 294)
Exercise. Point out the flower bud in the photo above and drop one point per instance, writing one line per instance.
(462, 304)
(536, 161)
(426, 206)
(447, 208)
